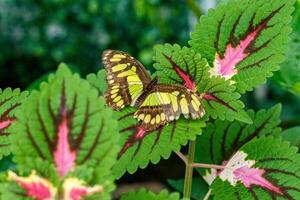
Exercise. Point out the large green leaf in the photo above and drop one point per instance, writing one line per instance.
(244, 40)
(10, 101)
(64, 130)
(143, 194)
(221, 139)
(139, 150)
(176, 65)
(264, 168)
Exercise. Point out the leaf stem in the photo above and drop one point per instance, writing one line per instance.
(212, 166)
(188, 180)
(195, 7)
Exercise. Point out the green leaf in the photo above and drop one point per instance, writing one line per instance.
(244, 40)
(138, 151)
(289, 75)
(221, 139)
(221, 101)
(176, 65)
(152, 145)
(292, 135)
(10, 100)
(143, 194)
(264, 168)
(63, 128)
(199, 187)
(98, 81)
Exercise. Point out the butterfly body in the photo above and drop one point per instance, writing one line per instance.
(158, 104)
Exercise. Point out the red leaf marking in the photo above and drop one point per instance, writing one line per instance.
(252, 176)
(5, 124)
(183, 75)
(75, 189)
(210, 97)
(187, 81)
(35, 186)
(138, 136)
(63, 156)
(225, 66)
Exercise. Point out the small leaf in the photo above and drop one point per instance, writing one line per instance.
(244, 41)
(221, 139)
(98, 81)
(143, 194)
(176, 65)
(292, 135)
(10, 100)
(264, 168)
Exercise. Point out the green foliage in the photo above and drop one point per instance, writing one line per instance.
(280, 163)
(221, 139)
(10, 100)
(153, 145)
(143, 194)
(289, 75)
(91, 127)
(231, 23)
(225, 103)
(199, 187)
(292, 135)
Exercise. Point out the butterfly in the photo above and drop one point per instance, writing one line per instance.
(158, 104)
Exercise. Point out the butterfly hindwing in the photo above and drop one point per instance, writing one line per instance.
(126, 78)
(166, 103)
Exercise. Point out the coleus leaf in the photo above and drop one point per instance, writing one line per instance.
(244, 41)
(66, 126)
(176, 65)
(10, 100)
(264, 168)
(139, 147)
(143, 194)
(39, 188)
(223, 138)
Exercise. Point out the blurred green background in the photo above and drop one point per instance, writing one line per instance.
(35, 36)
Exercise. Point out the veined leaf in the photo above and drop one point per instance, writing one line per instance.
(10, 100)
(244, 40)
(264, 168)
(177, 65)
(143, 194)
(138, 147)
(221, 139)
(65, 126)
(98, 81)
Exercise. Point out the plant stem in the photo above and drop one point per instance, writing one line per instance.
(195, 7)
(203, 165)
(188, 180)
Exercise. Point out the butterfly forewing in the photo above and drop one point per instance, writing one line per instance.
(126, 78)
(166, 103)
